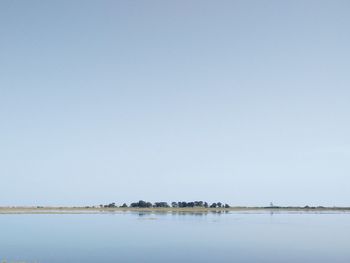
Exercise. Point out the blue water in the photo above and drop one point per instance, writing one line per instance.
(134, 237)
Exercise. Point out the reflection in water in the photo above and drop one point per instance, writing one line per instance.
(159, 237)
(188, 213)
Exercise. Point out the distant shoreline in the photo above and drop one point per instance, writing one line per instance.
(98, 210)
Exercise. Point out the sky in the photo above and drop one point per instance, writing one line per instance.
(244, 102)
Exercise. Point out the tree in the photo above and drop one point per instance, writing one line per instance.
(174, 204)
(124, 205)
(227, 206)
(198, 203)
(182, 204)
(213, 205)
(111, 205)
(161, 204)
(219, 204)
(190, 204)
(141, 204)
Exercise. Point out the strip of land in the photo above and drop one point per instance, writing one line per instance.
(99, 210)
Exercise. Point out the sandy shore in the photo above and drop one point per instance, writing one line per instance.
(98, 210)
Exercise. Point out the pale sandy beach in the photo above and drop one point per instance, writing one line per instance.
(98, 210)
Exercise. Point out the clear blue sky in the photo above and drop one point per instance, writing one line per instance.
(245, 102)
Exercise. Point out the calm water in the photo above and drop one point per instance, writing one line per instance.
(133, 237)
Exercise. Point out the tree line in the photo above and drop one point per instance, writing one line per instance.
(182, 204)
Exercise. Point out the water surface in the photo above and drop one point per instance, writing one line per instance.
(166, 237)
